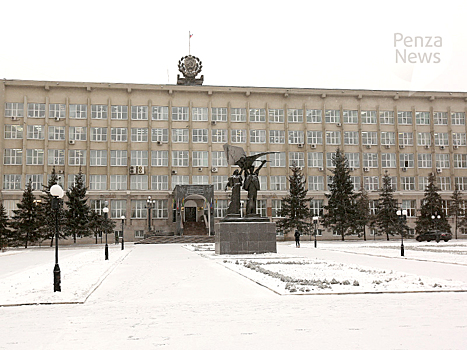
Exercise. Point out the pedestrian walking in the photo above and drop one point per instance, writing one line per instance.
(297, 239)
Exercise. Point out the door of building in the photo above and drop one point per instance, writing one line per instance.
(190, 214)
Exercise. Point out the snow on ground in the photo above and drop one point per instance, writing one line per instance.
(288, 274)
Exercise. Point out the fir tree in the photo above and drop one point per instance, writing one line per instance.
(363, 215)
(5, 233)
(26, 221)
(386, 219)
(294, 210)
(340, 211)
(456, 209)
(78, 212)
(432, 206)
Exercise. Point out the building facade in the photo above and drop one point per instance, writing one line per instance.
(133, 140)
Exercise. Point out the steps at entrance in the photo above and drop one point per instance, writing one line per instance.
(176, 239)
(192, 228)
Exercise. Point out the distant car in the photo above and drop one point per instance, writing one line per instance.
(434, 235)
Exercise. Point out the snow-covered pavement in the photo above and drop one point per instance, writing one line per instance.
(168, 297)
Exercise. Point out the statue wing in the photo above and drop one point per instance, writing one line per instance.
(251, 159)
(233, 153)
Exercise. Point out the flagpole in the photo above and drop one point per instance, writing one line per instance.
(189, 43)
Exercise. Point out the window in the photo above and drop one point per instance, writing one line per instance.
(57, 111)
(139, 158)
(200, 135)
(56, 157)
(329, 156)
(424, 139)
(13, 131)
(409, 205)
(99, 111)
(404, 117)
(219, 182)
(314, 137)
(119, 134)
(277, 136)
(350, 116)
(35, 132)
(315, 183)
(368, 117)
(238, 115)
(460, 161)
(97, 205)
(98, 157)
(422, 118)
(73, 178)
(333, 137)
(444, 183)
(76, 157)
(159, 182)
(199, 114)
(238, 136)
(34, 157)
(257, 115)
(219, 114)
(425, 160)
(405, 139)
(351, 138)
(180, 159)
(388, 160)
(160, 113)
(139, 112)
(220, 209)
(160, 210)
(314, 116)
(180, 114)
(407, 183)
(370, 160)
(440, 118)
(386, 117)
(406, 160)
(278, 183)
(295, 115)
(458, 118)
(261, 208)
(180, 180)
(442, 161)
(160, 158)
(180, 135)
(118, 183)
(78, 111)
(316, 207)
(12, 182)
(297, 159)
(13, 156)
(276, 206)
(139, 182)
(332, 116)
(117, 208)
(441, 139)
(160, 135)
(99, 134)
(461, 183)
(257, 136)
(77, 133)
(388, 138)
(371, 183)
(200, 180)
(354, 160)
(315, 159)
(119, 112)
(458, 139)
(138, 209)
(369, 138)
(277, 160)
(14, 109)
(200, 158)
(276, 115)
(36, 181)
(36, 110)
(139, 134)
(56, 133)
(356, 182)
(218, 159)
(422, 183)
(98, 182)
(219, 136)
(118, 158)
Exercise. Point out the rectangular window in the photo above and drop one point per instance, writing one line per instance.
(314, 137)
(277, 160)
(219, 182)
(257, 136)
(332, 116)
(139, 182)
(442, 160)
(139, 134)
(422, 183)
(351, 138)
(36, 110)
(440, 118)
(199, 114)
(458, 118)
(139, 158)
(160, 210)
(460, 161)
(458, 139)
(297, 159)
(139, 112)
(218, 159)
(13, 131)
(333, 137)
(369, 138)
(386, 117)
(35, 132)
(160, 113)
(295, 115)
(371, 183)
(14, 110)
(370, 160)
(98, 182)
(180, 114)
(179, 180)
(354, 160)
(406, 160)
(13, 156)
(424, 139)
(57, 111)
(350, 116)
(425, 160)
(119, 134)
(159, 182)
(238, 136)
(200, 158)
(200, 135)
(36, 181)
(160, 135)
(276, 205)
(219, 114)
(117, 208)
(314, 116)
(422, 118)
(12, 182)
(368, 117)
(277, 136)
(356, 182)
(409, 205)
(315, 183)
(404, 117)
(160, 158)
(219, 136)
(461, 183)
(138, 209)
(316, 207)
(34, 157)
(315, 159)
(220, 209)
(200, 180)
(56, 157)
(388, 160)
(99, 134)
(180, 135)
(118, 158)
(78, 111)
(257, 115)
(407, 183)
(76, 157)
(444, 183)
(405, 139)
(180, 159)
(77, 133)
(388, 138)
(99, 111)
(119, 112)
(238, 115)
(98, 157)
(441, 139)
(118, 183)
(276, 115)
(278, 183)
(56, 133)
(261, 208)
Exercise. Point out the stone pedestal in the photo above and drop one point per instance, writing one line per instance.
(245, 237)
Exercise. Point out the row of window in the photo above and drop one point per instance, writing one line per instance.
(78, 157)
(219, 114)
(276, 183)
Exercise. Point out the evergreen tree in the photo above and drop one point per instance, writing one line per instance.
(456, 209)
(340, 211)
(47, 213)
(386, 219)
(78, 212)
(26, 221)
(432, 206)
(98, 224)
(5, 233)
(363, 215)
(294, 211)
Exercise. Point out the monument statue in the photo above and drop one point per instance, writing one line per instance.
(252, 185)
(235, 182)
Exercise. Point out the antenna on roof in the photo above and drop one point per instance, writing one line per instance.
(189, 42)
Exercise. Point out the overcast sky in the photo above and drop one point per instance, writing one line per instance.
(306, 44)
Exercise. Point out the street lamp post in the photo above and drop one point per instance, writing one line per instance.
(123, 239)
(315, 221)
(106, 212)
(402, 218)
(150, 203)
(433, 222)
(57, 193)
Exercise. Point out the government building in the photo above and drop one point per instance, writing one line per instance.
(133, 141)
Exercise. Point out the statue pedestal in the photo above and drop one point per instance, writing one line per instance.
(245, 237)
